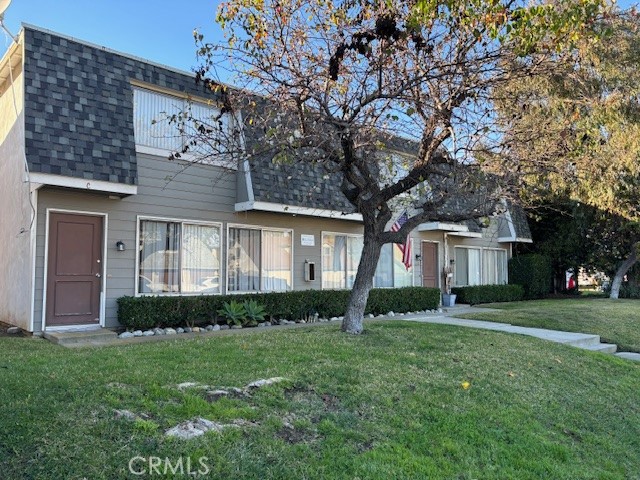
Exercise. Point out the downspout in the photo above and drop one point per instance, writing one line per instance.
(446, 257)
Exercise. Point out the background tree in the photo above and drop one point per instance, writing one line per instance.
(574, 133)
(343, 80)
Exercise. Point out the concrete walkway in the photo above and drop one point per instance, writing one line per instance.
(586, 341)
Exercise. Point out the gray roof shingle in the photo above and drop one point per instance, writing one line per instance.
(79, 106)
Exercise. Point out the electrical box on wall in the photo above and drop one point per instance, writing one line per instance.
(309, 271)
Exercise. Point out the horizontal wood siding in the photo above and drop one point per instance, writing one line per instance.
(166, 190)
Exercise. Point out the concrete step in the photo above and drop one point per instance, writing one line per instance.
(602, 348)
(86, 337)
(629, 356)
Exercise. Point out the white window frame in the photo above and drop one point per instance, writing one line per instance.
(262, 229)
(455, 256)
(184, 99)
(181, 221)
(322, 236)
(482, 266)
(506, 266)
(393, 266)
(357, 235)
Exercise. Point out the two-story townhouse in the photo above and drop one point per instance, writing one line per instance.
(91, 209)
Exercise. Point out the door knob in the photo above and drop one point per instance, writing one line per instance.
(98, 275)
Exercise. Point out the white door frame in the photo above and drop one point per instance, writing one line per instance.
(103, 292)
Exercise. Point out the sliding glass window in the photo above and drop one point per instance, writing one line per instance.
(259, 260)
(178, 257)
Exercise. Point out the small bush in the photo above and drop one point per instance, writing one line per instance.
(488, 294)
(158, 311)
(533, 272)
(254, 312)
(233, 312)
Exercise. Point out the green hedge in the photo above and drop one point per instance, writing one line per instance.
(626, 291)
(161, 311)
(533, 272)
(488, 294)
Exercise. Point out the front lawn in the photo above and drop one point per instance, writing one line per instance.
(389, 404)
(616, 321)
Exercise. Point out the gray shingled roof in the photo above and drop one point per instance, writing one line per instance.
(519, 219)
(79, 106)
(298, 184)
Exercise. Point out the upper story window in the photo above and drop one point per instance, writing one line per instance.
(155, 132)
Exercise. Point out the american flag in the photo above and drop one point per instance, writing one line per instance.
(405, 248)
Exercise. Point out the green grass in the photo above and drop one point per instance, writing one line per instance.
(388, 404)
(616, 321)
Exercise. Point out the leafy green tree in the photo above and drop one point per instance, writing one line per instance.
(343, 80)
(574, 132)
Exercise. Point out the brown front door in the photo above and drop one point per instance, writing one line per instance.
(429, 264)
(74, 269)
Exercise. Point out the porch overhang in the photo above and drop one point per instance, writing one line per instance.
(296, 210)
(120, 189)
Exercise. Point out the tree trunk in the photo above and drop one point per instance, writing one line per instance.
(354, 315)
(622, 270)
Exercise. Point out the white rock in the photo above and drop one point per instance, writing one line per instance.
(371, 315)
(184, 431)
(439, 310)
(188, 329)
(196, 427)
(341, 318)
(185, 385)
(391, 314)
(216, 394)
(170, 331)
(334, 319)
(224, 327)
(208, 328)
(126, 335)
(264, 382)
(196, 329)
(148, 333)
(179, 330)
(381, 315)
(126, 414)
(158, 331)
(137, 333)
(13, 330)
(215, 328)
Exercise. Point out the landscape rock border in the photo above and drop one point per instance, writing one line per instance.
(214, 328)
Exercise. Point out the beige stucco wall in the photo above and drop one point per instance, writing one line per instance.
(15, 210)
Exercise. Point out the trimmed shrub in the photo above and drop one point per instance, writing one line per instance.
(489, 293)
(174, 311)
(533, 272)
